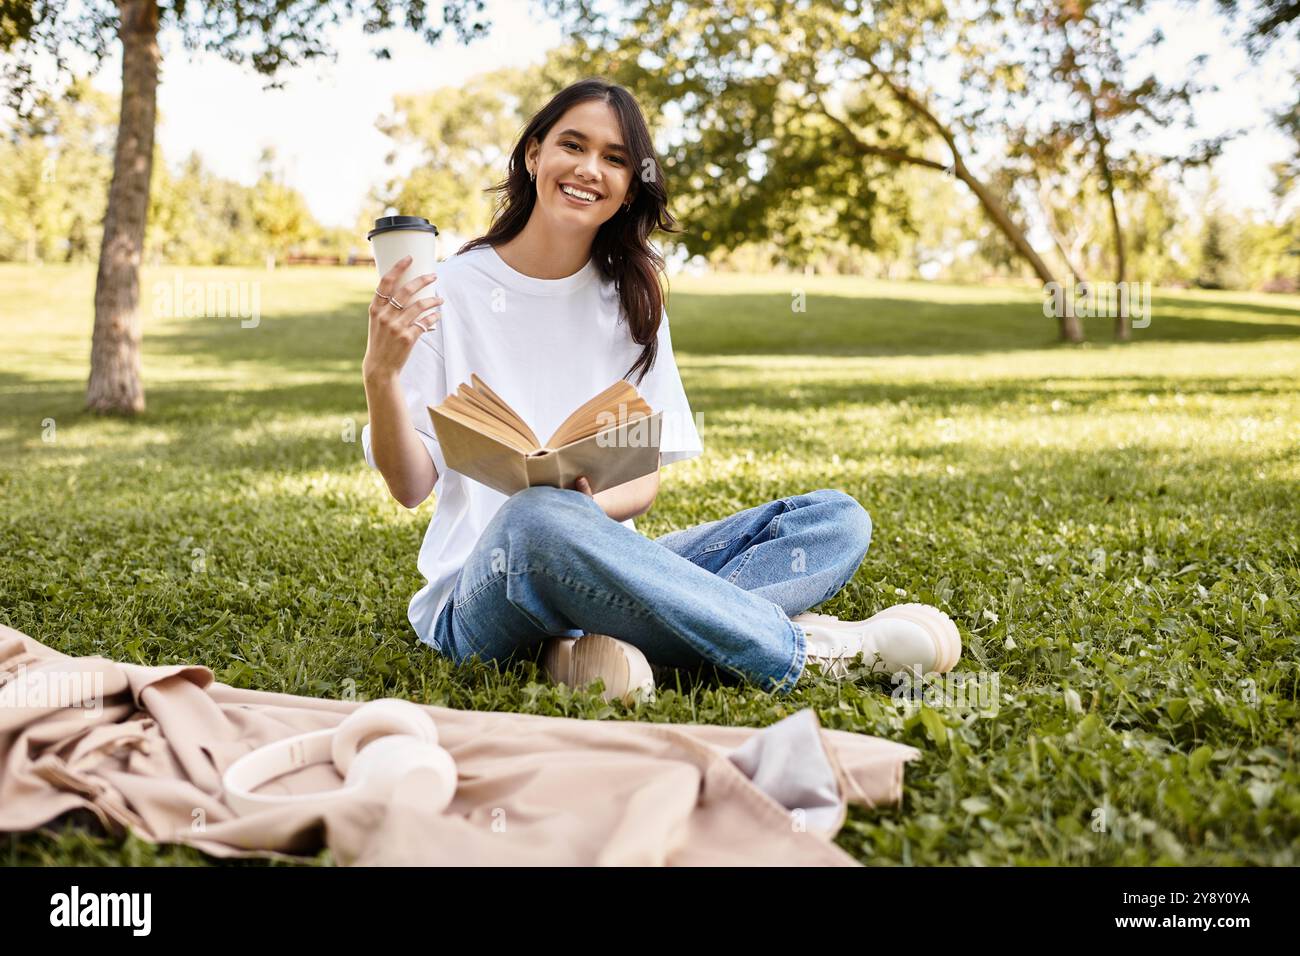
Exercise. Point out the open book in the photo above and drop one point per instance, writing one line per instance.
(611, 438)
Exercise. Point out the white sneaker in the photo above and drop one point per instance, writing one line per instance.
(577, 661)
(911, 637)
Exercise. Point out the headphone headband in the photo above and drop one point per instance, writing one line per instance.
(410, 743)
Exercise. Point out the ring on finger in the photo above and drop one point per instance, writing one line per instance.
(396, 304)
(423, 327)
(382, 296)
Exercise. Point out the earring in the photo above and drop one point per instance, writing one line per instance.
(532, 175)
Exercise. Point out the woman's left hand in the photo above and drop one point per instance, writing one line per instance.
(623, 501)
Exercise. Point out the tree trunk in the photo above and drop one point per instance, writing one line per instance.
(1071, 329)
(1068, 323)
(115, 385)
(1123, 327)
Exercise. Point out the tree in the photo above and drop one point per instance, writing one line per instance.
(1160, 242)
(1089, 110)
(265, 34)
(458, 138)
(280, 214)
(197, 217)
(776, 96)
(1268, 23)
(1287, 172)
(1215, 258)
(54, 167)
(784, 104)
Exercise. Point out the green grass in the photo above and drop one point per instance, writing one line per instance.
(1113, 527)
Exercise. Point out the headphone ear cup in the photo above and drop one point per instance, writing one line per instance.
(384, 762)
(380, 718)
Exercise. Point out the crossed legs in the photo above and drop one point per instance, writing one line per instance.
(552, 563)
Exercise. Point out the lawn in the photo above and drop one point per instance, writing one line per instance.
(1113, 528)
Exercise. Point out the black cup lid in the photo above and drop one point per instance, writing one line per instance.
(401, 224)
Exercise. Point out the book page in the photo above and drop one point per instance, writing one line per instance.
(509, 413)
(456, 408)
(493, 413)
(478, 407)
(619, 403)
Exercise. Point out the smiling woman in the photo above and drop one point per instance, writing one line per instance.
(559, 298)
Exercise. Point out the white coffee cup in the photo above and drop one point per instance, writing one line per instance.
(397, 236)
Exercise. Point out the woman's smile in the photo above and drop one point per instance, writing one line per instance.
(575, 194)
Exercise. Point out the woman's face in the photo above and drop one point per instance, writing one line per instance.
(583, 152)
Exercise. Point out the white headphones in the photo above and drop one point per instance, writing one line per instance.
(372, 749)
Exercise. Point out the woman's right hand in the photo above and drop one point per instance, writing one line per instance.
(394, 330)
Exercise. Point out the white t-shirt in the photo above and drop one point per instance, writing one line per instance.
(545, 346)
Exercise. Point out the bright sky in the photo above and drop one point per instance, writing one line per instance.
(322, 126)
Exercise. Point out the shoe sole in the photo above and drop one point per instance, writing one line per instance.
(578, 661)
(941, 628)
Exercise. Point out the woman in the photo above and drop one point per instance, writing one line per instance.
(560, 298)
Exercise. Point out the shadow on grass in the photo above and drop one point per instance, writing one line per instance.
(750, 324)
(254, 430)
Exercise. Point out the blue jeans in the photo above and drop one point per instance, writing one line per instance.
(552, 563)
